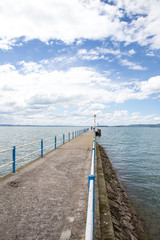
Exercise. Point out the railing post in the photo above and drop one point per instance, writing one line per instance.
(14, 159)
(63, 138)
(41, 147)
(93, 152)
(55, 142)
(69, 136)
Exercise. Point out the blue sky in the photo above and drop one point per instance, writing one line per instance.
(62, 61)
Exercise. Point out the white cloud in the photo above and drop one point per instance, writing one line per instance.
(119, 114)
(144, 29)
(131, 65)
(123, 117)
(150, 53)
(7, 43)
(135, 6)
(109, 51)
(93, 54)
(132, 52)
(30, 66)
(7, 68)
(104, 53)
(151, 86)
(32, 94)
(56, 19)
(77, 20)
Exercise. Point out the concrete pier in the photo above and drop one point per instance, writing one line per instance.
(48, 199)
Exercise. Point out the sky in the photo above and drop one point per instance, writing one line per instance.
(63, 61)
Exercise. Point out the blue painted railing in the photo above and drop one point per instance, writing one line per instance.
(57, 141)
(91, 198)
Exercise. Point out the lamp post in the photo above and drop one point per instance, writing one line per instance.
(94, 121)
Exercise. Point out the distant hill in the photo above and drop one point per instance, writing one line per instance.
(14, 125)
(133, 125)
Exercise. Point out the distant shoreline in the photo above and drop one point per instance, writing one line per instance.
(16, 125)
(100, 126)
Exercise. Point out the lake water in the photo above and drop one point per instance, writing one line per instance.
(15, 136)
(135, 155)
(133, 151)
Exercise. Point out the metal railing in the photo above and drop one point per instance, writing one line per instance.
(4, 151)
(57, 141)
(89, 235)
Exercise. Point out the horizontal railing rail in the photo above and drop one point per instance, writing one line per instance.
(30, 154)
(46, 139)
(48, 146)
(5, 150)
(27, 144)
(89, 235)
(9, 163)
(57, 141)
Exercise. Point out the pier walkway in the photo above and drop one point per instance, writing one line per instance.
(48, 198)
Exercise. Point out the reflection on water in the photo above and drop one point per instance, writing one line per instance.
(135, 154)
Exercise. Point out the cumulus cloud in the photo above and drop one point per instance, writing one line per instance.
(24, 91)
(77, 20)
(151, 86)
(53, 19)
(132, 52)
(116, 118)
(125, 118)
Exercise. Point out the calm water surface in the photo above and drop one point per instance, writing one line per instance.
(135, 155)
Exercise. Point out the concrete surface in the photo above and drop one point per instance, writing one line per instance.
(106, 226)
(48, 199)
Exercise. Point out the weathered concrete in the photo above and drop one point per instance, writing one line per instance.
(48, 199)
